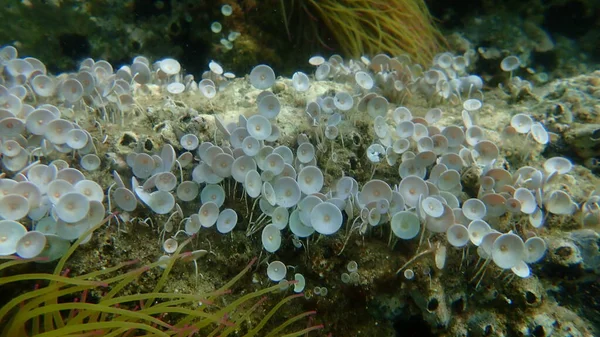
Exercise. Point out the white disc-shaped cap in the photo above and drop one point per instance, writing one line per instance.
(441, 223)
(193, 225)
(213, 193)
(508, 250)
(495, 204)
(241, 166)
(535, 248)
(474, 209)
(527, 200)
(401, 114)
(377, 106)
(411, 188)
(559, 202)
(316, 60)
(125, 199)
(90, 189)
(310, 180)
(10, 234)
(208, 214)
(448, 180)
(521, 122)
(226, 221)
(170, 245)
(269, 106)
(343, 101)
(536, 219)
(71, 90)
(57, 131)
(477, 230)
(287, 192)
(432, 207)
(433, 115)
(510, 63)
(259, 127)
(169, 66)
(560, 165)
(472, 104)
(90, 162)
(375, 190)
(297, 227)
(539, 133)
(250, 146)
(405, 225)
(187, 190)
(72, 207)
(280, 217)
(253, 183)
(161, 202)
(326, 218)
(262, 77)
(189, 142)
(364, 80)
(271, 238)
(300, 81)
(521, 270)
(457, 235)
(485, 152)
(300, 283)
(221, 165)
(305, 152)
(37, 121)
(276, 271)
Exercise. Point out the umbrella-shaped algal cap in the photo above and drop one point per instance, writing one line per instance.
(271, 238)
(300, 81)
(187, 190)
(477, 230)
(241, 166)
(559, 202)
(213, 193)
(259, 127)
(253, 183)
(326, 218)
(31, 244)
(280, 217)
(560, 165)
(522, 123)
(474, 209)
(208, 214)
(287, 192)
(262, 77)
(457, 235)
(72, 207)
(405, 225)
(161, 202)
(169, 66)
(310, 180)
(14, 207)
(508, 250)
(411, 188)
(226, 221)
(535, 248)
(10, 234)
(125, 199)
(276, 271)
(90, 162)
(305, 152)
(375, 190)
(297, 227)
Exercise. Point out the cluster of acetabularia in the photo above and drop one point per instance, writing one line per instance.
(45, 204)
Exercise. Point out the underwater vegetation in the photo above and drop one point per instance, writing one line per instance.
(62, 305)
(369, 27)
